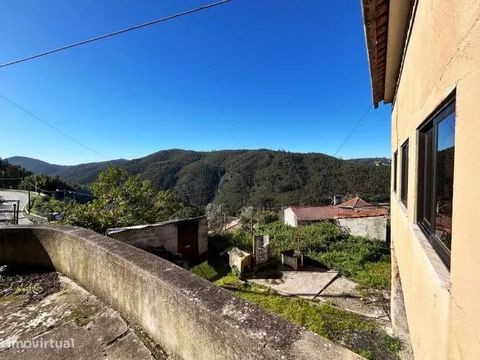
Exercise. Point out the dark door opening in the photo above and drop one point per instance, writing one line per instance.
(188, 240)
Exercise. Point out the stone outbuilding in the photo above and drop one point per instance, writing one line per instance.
(357, 216)
(186, 237)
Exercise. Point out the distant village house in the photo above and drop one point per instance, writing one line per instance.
(357, 216)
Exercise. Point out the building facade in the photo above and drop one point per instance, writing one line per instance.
(424, 58)
(355, 216)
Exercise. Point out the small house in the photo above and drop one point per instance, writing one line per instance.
(357, 216)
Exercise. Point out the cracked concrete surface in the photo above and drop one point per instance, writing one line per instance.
(72, 318)
(342, 292)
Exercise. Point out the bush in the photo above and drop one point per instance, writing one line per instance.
(365, 261)
(44, 206)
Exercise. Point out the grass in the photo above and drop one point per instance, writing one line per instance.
(356, 332)
(363, 260)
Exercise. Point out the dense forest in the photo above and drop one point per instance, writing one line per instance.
(11, 175)
(237, 178)
(17, 177)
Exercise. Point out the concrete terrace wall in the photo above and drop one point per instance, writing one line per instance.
(188, 316)
(371, 227)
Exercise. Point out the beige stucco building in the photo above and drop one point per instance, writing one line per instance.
(425, 59)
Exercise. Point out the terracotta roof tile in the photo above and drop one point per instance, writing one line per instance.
(353, 208)
(356, 202)
(312, 213)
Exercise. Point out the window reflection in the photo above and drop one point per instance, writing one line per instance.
(444, 179)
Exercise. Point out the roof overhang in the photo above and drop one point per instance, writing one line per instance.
(386, 26)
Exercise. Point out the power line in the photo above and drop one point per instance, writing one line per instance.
(353, 130)
(46, 123)
(104, 36)
(357, 124)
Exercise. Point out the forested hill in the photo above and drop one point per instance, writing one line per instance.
(236, 178)
(11, 175)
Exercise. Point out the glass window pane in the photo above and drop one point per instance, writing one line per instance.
(428, 178)
(404, 185)
(444, 179)
(395, 172)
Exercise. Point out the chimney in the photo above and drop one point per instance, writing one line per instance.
(337, 199)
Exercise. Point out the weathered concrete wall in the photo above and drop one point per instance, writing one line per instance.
(442, 305)
(371, 227)
(188, 316)
(202, 236)
(289, 217)
(150, 236)
(163, 234)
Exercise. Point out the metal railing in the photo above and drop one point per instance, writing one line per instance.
(9, 211)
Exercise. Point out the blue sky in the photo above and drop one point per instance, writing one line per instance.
(279, 74)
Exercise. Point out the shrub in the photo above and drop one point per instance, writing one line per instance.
(365, 261)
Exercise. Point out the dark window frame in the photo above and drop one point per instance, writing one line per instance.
(404, 173)
(427, 159)
(394, 167)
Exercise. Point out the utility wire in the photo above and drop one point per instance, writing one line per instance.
(357, 124)
(352, 131)
(46, 123)
(105, 36)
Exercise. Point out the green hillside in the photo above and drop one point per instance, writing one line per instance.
(236, 178)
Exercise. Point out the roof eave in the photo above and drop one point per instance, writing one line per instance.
(386, 25)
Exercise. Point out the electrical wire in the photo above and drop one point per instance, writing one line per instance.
(122, 31)
(46, 123)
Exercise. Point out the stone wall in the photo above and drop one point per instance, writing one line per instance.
(186, 315)
(371, 227)
(160, 235)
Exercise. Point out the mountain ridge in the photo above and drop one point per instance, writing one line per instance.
(237, 178)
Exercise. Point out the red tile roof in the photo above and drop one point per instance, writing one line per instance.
(356, 202)
(353, 208)
(312, 213)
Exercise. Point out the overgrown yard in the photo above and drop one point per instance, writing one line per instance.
(365, 261)
(356, 332)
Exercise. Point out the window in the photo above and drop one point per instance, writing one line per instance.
(404, 174)
(435, 179)
(394, 166)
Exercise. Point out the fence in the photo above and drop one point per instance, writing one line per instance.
(9, 211)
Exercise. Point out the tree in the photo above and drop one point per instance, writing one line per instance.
(122, 200)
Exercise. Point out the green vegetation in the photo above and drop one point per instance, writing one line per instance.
(355, 332)
(10, 175)
(238, 178)
(363, 260)
(28, 290)
(82, 315)
(44, 206)
(122, 200)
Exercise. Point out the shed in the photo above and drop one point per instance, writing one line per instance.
(185, 237)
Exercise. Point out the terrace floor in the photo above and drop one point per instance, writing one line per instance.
(308, 281)
(47, 316)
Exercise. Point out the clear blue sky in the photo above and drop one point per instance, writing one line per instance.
(279, 74)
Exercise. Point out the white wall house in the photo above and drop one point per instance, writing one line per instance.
(356, 216)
